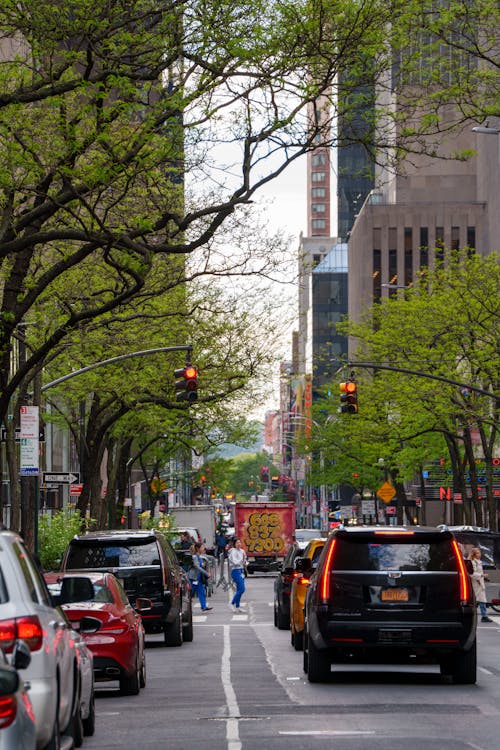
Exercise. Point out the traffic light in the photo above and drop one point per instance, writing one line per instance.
(349, 397)
(186, 387)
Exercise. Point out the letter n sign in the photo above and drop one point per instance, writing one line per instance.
(445, 493)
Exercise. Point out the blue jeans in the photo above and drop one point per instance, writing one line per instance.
(199, 588)
(239, 579)
(482, 609)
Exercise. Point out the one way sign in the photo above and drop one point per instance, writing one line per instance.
(60, 478)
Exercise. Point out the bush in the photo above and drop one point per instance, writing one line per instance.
(54, 534)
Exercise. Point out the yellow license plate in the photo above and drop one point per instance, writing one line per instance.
(394, 595)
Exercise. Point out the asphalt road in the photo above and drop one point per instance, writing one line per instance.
(240, 686)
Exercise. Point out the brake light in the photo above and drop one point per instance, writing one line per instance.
(27, 629)
(464, 578)
(303, 581)
(30, 630)
(324, 586)
(7, 635)
(382, 532)
(8, 710)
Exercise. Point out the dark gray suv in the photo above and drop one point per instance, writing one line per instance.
(382, 594)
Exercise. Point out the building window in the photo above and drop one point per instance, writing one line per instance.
(318, 160)
(318, 192)
(424, 247)
(393, 257)
(318, 177)
(471, 240)
(377, 274)
(319, 208)
(455, 238)
(318, 224)
(439, 246)
(408, 256)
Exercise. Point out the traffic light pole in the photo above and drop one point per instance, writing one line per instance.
(144, 353)
(418, 373)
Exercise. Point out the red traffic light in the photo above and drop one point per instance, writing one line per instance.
(186, 388)
(349, 397)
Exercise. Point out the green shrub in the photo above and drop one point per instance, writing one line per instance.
(54, 534)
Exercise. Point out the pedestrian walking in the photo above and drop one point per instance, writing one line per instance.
(198, 575)
(478, 582)
(237, 564)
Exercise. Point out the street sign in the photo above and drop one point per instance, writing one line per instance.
(61, 478)
(76, 489)
(386, 492)
(390, 510)
(3, 435)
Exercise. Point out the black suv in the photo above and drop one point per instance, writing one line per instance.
(147, 567)
(382, 594)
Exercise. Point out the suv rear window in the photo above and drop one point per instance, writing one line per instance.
(393, 555)
(108, 554)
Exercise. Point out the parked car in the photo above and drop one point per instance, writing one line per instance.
(17, 718)
(380, 594)
(27, 613)
(283, 586)
(147, 566)
(97, 607)
(299, 587)
(85, 722)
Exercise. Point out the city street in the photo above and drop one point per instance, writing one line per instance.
(240, 685)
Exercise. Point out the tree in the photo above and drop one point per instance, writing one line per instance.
(446, 327)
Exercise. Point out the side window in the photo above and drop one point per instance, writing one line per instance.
(169, 552)
(24, 566)
(41, 586)
(121, 592)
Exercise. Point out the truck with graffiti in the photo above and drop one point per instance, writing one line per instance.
(266, 530)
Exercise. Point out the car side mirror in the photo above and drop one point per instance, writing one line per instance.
(89, 625)
(143, 605)
(21, 655)
(303, 565)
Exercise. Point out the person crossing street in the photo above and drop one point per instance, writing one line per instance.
(237, 563)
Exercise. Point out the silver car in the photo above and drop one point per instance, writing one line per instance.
(17, 720)
(26, 613)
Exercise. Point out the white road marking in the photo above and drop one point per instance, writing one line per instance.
(328, 732)
(199, 618)
(293, 678)
(232, 728)
(486, 671)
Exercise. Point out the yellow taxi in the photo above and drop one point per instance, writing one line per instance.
(298, 591)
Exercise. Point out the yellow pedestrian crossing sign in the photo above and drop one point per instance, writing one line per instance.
(386, 492)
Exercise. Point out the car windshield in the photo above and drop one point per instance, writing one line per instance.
(119, 554)
(362, 555)
(81, 589)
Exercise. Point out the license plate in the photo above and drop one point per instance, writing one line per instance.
(394, 595)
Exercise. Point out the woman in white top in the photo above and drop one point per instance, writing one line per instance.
(237, 562)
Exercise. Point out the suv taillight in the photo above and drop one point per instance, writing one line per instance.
(465, 588)
(8, 710)
(27, 629)
(324, 583)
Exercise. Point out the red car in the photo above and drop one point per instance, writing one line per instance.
(97, 607)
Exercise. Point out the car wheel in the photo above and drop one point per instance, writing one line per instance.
(89, 722)
(187, 628)
(130, 685)
(318, 663)
(142, 673)
(283, 622)
(75, 726)
(463, 666)
(172, 631)
(305, 654)
(298, 640)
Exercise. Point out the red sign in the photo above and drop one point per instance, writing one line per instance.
(75, 489)
(265, 528)
(390, 510)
